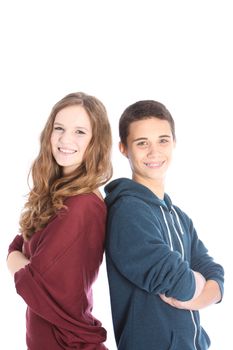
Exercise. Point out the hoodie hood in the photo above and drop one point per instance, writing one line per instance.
(126, 187)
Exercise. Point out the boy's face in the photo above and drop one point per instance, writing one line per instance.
(149, 149)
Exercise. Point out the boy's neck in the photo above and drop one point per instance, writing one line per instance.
(157, 187)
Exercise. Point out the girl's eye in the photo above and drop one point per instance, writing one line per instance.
(58, 128)
(80, 132)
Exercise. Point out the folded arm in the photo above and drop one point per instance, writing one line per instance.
(210, 294)
(16, 261)
(212, 272)
(153, 266)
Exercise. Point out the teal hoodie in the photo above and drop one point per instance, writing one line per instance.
(151, 249)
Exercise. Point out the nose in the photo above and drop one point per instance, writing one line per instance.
(66, 137)
(153, 150)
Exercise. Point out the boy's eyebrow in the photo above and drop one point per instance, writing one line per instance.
(140, 139)
(146, 138)
(165, 136)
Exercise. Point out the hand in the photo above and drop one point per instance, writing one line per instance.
(210, 294)
(200, 284)
(16, 261)
(174, 302)
(187, 305)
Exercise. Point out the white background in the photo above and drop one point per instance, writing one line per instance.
(177, 52)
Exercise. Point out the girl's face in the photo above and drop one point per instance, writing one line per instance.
(72, 133)
(149, 149)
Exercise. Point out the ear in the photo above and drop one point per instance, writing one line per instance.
(123, 149)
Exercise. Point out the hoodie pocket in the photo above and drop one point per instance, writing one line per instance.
(205, 341)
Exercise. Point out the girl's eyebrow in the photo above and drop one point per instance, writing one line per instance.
(58, 123)
(76, 127)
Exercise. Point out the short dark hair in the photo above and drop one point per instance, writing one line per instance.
(145, 109)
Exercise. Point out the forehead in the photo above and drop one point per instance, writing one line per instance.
(150, 127)
(75, 114)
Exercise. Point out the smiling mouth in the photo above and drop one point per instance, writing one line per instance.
(66, 151)
(154, 165)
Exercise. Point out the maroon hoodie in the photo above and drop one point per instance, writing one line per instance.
(56, 285)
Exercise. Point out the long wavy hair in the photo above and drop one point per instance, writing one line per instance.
(49, 186)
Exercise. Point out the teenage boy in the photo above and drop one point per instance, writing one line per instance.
(160, 273)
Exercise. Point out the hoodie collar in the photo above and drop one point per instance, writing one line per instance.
(126, 187)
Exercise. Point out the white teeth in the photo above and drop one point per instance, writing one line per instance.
(154, 164)
(67, 151)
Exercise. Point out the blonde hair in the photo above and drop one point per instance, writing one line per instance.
(50, 186)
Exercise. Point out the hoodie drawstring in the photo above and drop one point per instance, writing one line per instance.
(169, 232)
(178, 220)
(168, 229)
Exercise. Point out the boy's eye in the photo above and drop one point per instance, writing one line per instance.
(142, 143)
(164, 140)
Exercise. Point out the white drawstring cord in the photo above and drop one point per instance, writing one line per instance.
(168, 230)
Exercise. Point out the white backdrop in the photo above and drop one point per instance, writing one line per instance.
(177, 52)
